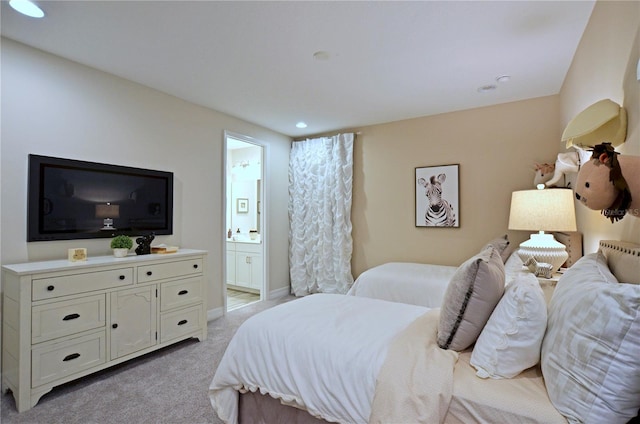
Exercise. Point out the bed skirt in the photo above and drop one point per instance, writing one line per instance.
(255, 408)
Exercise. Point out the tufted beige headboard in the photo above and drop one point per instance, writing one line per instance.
(623, 259)
(573, 243)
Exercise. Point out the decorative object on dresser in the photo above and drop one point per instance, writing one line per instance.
(62, 321)
(77, 254)
(144, 244)
(543, 210)
(163, 249)
(121, 245)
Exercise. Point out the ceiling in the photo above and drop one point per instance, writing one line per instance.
(335, 65)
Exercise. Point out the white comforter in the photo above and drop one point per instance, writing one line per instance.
(321, 353)
(405, 282)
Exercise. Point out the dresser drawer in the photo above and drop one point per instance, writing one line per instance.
(52, 362)
(49, 288)
(179, 323)
(59, 319)
(176, 294)
(161, 271)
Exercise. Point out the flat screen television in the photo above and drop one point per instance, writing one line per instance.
(72, 199)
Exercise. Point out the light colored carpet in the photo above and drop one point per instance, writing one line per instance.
(167, 386)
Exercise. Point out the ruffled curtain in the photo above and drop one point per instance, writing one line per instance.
(320, 188)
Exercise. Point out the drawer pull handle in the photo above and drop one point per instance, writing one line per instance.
(149, 273)
(195, 266)
(122, 277)
(181, 292)
(114, 326)
(71, 357)
(183, 322)
(50, 288)
(70, 317)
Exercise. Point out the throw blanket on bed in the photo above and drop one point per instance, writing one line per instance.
(321, 353)
(415, 383)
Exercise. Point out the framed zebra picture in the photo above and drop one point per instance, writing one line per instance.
(437, 196)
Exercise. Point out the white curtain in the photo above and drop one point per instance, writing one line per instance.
(320, 187)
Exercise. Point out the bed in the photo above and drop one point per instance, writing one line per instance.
(416, 283)
(355, 359)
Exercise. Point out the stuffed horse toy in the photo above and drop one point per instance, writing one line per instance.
(610, 182)
(544, 172)
(566, 162)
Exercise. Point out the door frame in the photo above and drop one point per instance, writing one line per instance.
(264, 208)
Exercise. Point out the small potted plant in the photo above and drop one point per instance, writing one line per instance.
(121, 245)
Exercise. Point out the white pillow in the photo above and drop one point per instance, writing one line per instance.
(510, 341)
(513, 267)
(591, 352)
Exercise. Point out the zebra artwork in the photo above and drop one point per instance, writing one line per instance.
(439, 212)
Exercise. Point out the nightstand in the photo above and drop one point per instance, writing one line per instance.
(549, 284)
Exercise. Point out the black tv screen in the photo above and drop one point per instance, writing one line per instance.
(72, 199)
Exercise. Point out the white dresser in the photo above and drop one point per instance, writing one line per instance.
(63, 320)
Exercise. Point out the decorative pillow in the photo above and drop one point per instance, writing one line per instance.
(591, 352)
(510, 341)
(503, 245)
(513, 267)
(471, 296)
(623, 259)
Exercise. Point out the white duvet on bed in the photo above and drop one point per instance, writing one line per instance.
(405, 282)
(322, 353)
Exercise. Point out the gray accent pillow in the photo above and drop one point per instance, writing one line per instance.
(503, 245)
(473, 292)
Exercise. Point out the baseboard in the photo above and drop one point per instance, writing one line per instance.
(215, 313)
(278, 293)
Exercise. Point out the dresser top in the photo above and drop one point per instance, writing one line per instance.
(64, 264)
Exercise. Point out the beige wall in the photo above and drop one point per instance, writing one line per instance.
(605, 67)
(55, 107)
(496, 148)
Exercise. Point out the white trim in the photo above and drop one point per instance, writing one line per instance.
(264, 216)
(215, 313)
(278, 293)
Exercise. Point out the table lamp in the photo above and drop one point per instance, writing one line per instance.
(107, 212)
(543, 210)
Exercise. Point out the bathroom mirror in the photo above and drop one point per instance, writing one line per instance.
(244, 186)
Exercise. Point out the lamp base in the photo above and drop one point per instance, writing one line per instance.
(544, 248)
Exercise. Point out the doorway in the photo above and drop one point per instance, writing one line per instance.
(244, 251)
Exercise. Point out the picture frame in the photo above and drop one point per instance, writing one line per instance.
(242, 205)
(437, 191)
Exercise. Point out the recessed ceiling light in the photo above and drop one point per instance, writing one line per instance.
(26, 7)
(321, 55)
(503, 78)
(301, 124)
(486, 88)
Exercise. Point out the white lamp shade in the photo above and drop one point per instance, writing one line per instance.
(108, 211)
(542, 210)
